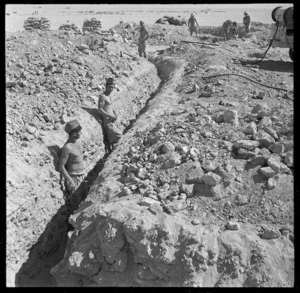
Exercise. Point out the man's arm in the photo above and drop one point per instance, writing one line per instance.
(101, 105)
(63, 161)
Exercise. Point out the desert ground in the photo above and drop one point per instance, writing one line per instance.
(199, 191)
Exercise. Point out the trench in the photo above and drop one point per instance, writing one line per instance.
(50, 247)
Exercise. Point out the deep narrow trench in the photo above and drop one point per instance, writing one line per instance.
(144, 109)
(50, 247)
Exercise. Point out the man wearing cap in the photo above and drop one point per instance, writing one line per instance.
(247, 22)
(193, 24)
(142, 39)
(71, 161)
(111, 132)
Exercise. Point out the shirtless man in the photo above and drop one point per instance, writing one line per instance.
(71, 161)
(142, 39)
(192, 24)
(111, 132)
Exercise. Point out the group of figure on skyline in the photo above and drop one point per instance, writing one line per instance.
(229, 28)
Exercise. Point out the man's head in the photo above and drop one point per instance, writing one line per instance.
(73, 128)
(234, 23)
(192, 15)
(110, 85)
(142, 24)
(245, 13)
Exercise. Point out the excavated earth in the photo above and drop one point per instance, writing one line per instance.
(198, 191)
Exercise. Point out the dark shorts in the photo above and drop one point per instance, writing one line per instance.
(142, 47)
(193, 29)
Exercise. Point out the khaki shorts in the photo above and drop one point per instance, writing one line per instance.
(77, 180)
(73, 197)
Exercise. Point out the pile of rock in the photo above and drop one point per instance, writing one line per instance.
(171, 20)
(33, 23)
(70, 27)
(92, 26)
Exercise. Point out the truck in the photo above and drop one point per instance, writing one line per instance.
(282, 31)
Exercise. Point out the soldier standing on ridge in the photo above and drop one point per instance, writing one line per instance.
(142, 39)
(247, 22)
(111, 132)
(193, 24)
(71, 162)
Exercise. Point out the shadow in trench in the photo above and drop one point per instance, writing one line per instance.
(50, 247)
(145, 108)
(94, 112)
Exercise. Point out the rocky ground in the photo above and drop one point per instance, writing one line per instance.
(199, 190)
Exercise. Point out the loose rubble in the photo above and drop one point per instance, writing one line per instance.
(70, 27)
(92, 26)
(197, 192)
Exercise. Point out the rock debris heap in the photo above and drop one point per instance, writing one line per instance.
(70, 27)
(171, 20)
(92, 26)
(34, 23)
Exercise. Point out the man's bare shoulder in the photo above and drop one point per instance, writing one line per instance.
(67, 148)
(103, 98)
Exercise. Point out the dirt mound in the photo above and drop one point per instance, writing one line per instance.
(164, 34)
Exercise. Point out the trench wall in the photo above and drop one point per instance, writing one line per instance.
(36, 226)
(118, 241)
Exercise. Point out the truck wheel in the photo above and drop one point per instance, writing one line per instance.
(291, 54)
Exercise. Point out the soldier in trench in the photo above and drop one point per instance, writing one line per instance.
(142, 39)
(71, 163)
(111, 131)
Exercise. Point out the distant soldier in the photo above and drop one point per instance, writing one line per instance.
(71, 162)
(111, 132)
(233, 32)
(142, 39)
(193, 24)
(247, 22)
(226, 28)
